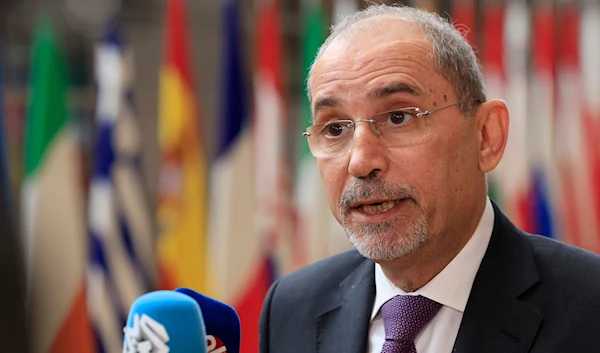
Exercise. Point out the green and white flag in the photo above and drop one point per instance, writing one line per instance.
(321, 234)
(53, 209)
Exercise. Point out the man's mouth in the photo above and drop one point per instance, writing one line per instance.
(378, 207)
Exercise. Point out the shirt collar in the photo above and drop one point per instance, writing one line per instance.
(450, 287)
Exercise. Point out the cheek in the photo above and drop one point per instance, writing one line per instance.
(333, 174)
(453, 167)
(426, 172)
(434, 170)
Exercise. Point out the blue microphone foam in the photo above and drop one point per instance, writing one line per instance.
(165, 321)
(221, 320)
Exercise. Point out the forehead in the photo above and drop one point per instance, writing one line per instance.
(375, 53)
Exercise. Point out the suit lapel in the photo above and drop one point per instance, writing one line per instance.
(343, 322)
(495, 319)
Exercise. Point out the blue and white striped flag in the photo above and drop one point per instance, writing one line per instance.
(122, 262)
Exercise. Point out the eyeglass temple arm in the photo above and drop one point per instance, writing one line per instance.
(427, 112)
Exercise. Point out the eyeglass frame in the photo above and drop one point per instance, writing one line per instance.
(352, 123)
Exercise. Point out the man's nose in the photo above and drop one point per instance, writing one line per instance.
(367, 154)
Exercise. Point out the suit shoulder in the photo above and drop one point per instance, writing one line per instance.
(321, 275)
(565, 263)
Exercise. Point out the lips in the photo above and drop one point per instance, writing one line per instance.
(374, 201)
(376, 206)
(379, 207)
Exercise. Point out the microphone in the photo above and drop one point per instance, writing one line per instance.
(223, 331)
(164, 322)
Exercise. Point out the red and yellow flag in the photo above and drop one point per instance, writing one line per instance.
(182, 186)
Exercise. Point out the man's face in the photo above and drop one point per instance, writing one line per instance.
(392, 200)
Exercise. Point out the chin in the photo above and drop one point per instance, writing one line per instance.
(383, 252)
(384, 242)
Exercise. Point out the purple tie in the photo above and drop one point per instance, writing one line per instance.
(404, 316)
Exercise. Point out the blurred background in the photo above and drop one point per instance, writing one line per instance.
(155, 144)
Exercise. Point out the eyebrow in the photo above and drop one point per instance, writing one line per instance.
(381, 92)
(325, 102)
(398, 87)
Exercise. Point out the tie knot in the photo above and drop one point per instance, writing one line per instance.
(404, 316)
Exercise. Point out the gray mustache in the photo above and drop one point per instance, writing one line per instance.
(362, 189)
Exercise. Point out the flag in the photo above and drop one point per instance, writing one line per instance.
(271, 176)
(541, 120)
(56, 238)
(182, 196)
(573, 203)
(513, 170)
(314, 220)
(122, 264)
(238, 254)
(463, 14)
(589, 59)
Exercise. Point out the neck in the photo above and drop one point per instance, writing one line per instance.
(414, 270)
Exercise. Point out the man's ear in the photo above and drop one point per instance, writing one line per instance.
(492, 121)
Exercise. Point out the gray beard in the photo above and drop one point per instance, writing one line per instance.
(383, 241)
(387, 241)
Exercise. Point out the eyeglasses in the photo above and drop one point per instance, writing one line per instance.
(395, 128)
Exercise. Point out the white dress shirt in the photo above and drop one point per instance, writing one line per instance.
(450, 287)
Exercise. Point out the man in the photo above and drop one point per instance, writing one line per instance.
(404, 135)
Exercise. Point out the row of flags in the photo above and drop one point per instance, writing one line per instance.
(542, 58)
(228, 228)
(90, 253)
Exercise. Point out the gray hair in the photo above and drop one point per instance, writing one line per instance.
(455, 60)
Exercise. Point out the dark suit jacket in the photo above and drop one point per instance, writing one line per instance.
(530, 294)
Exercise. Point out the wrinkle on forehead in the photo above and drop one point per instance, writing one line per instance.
(354, 60)
(385, 24)
(360, 68)
(362, 48)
